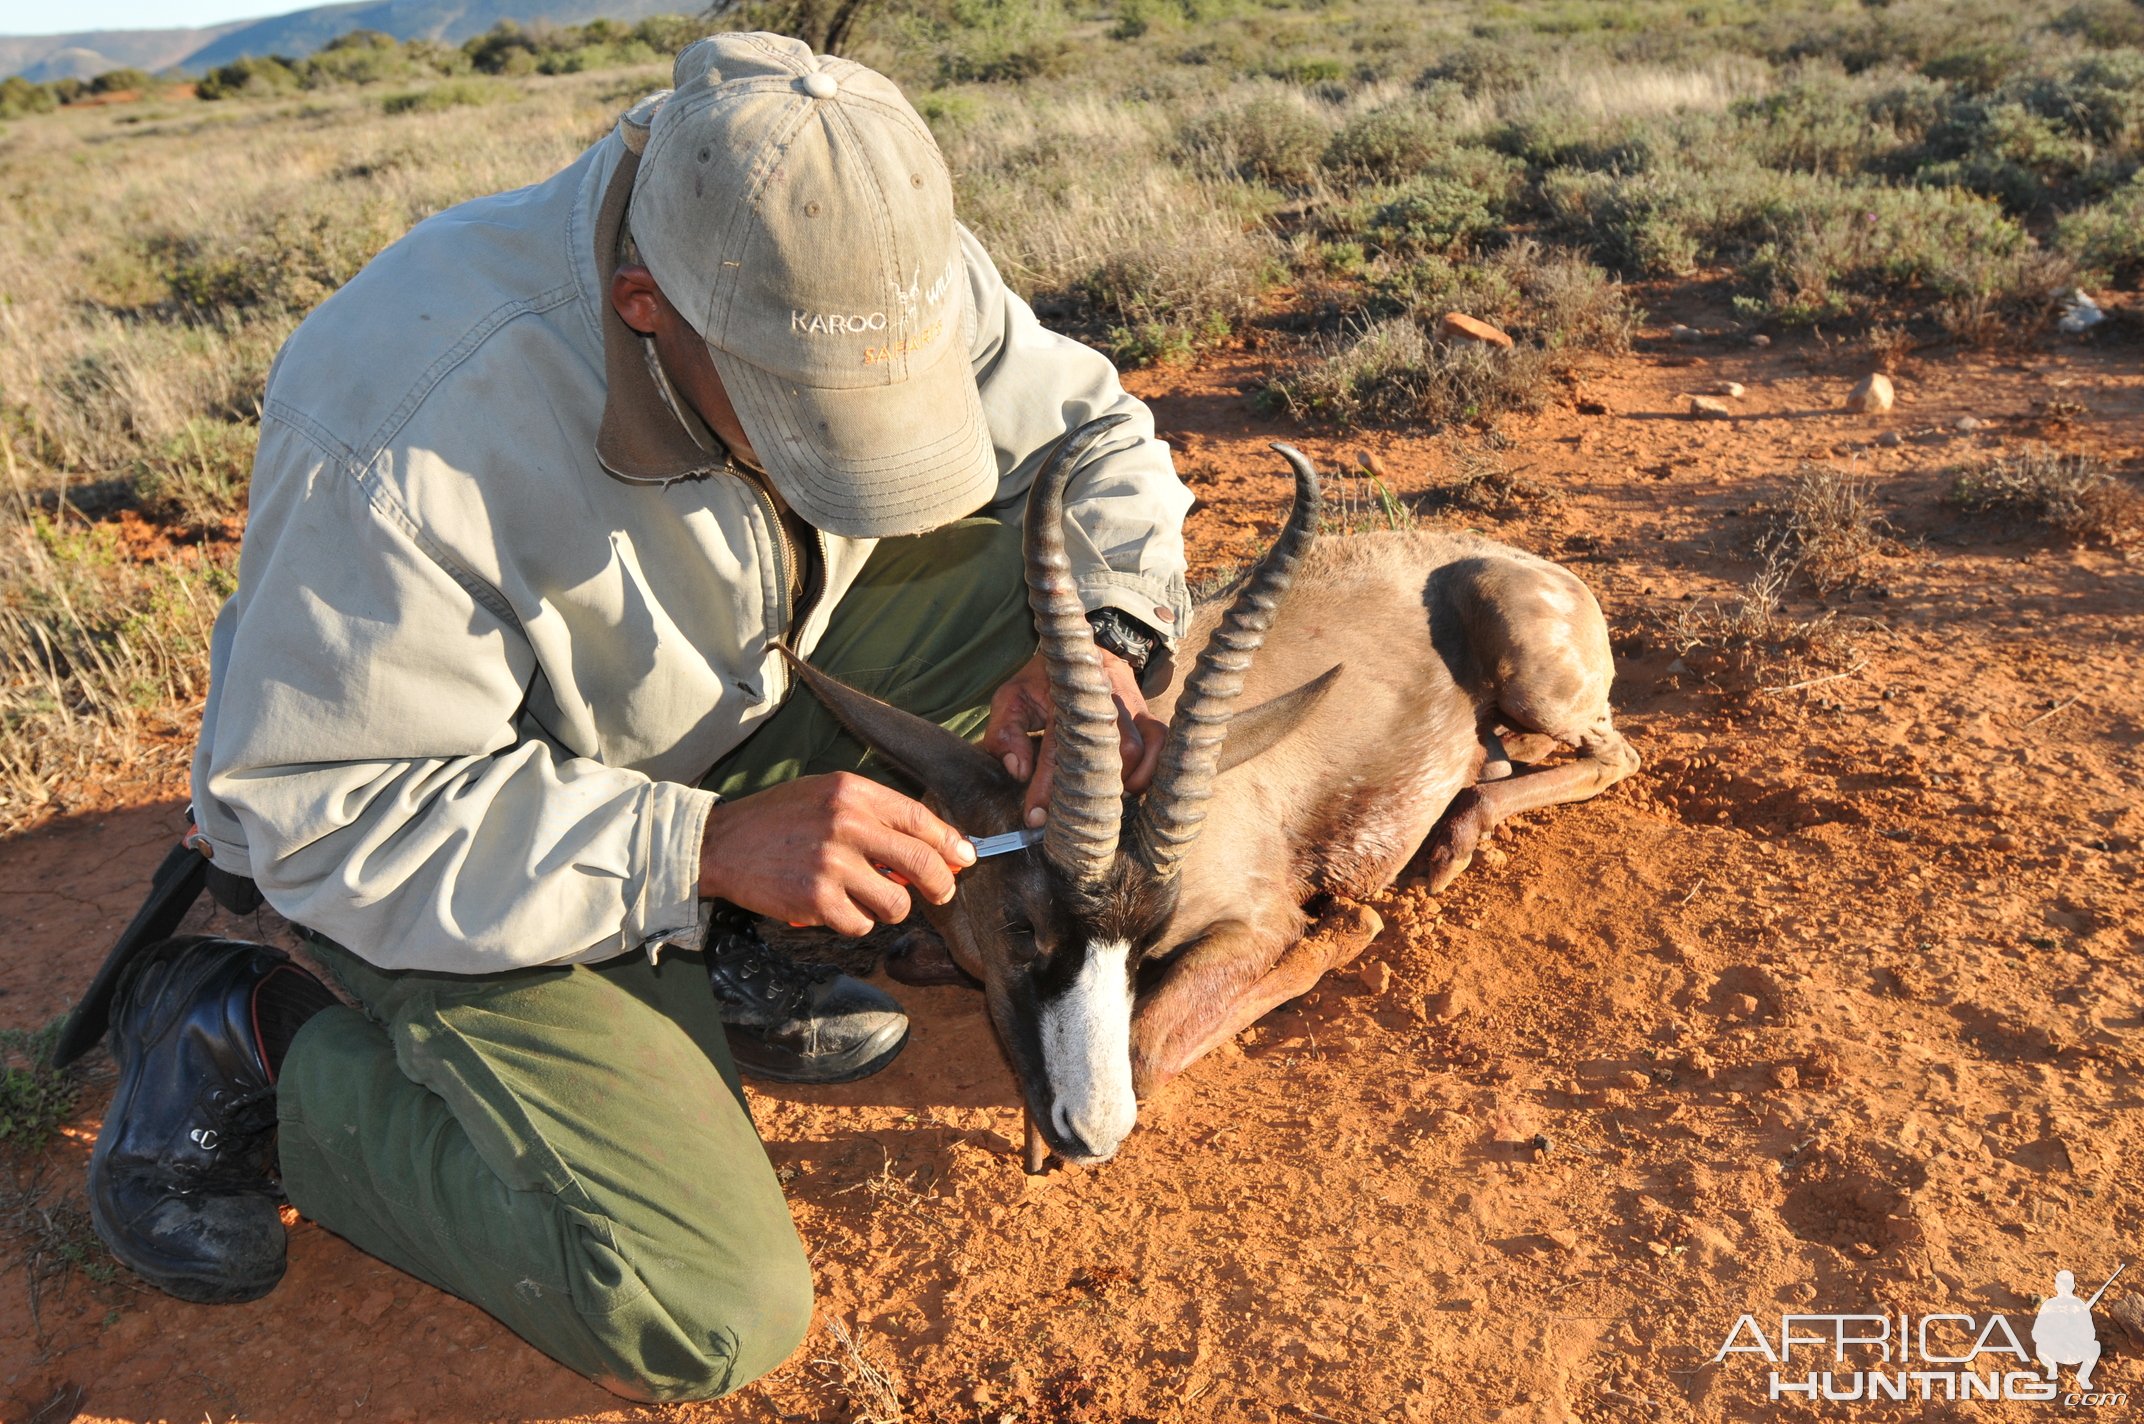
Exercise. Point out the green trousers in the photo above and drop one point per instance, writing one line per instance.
(569, 1148)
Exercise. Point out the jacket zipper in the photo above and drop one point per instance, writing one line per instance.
(785, 555)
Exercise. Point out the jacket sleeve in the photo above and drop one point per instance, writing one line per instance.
(360, 759)
(1124, 510)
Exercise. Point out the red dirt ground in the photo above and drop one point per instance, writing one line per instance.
(1837, 1007)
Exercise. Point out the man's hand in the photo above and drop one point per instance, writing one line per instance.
(811, 851)
(1022, 706)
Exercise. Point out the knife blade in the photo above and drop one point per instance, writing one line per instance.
(986, 846)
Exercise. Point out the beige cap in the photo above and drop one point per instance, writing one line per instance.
(796, 210)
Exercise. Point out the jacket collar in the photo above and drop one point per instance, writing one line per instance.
(649, 435)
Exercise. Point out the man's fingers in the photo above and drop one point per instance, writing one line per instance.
(847, 920)
(918, 862)
(1038, 786)
(883, 901)
(1013, 714)
(912, 818)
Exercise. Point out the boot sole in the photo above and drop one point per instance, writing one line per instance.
(159, 1272)
(862, 1061)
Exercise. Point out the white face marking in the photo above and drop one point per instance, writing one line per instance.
(1087, 1051)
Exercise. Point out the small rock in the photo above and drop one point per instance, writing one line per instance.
(1873, 396)
(1733, 390)
(1967, 424)
(1564, 1238)
(1785, 1076)
(1375, 976)
(1460, 326)
(1633, 1080)
(1685, 333)
(1678, 668)
(1701, 1064)
(1760, 340)
(1491, 858)
(1890, 440)
(1449, 1003)
(1706, 408)
(1742, 1006)
(1589, 406)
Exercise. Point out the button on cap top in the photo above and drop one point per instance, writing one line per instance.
(821, 86)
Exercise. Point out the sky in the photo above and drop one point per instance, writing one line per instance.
(58, 17)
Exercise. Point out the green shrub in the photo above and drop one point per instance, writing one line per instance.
(1559, 139)
(122, 81)
(20, 98)
(35, 1098)
(291, 263)
(2107, 238)
(1478, 68)
(1391, 371)
(1432, 215)
(1170, 294)
(447, 94)
(254, 77)
(1824, 122)
(1388, 144)
(1557, 307)
(1269, 138)
(2075, 495)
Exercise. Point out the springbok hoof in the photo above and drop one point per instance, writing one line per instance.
(1451, 844)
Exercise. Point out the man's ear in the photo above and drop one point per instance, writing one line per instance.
(634, 295)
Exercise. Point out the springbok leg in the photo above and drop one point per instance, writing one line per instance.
(1602, 762)
(1232, 978)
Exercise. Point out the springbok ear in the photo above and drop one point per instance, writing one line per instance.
(954, 771)
(1261, 728)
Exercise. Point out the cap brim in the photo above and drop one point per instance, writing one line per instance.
(870, 462)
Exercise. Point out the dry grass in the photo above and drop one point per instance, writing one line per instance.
(1486, 485)
(1829, 529)
(868, 1394)
(149, 271)
(2076, 496)
(1748, 645)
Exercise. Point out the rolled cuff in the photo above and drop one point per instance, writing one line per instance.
(1139, 598)
(670, 897)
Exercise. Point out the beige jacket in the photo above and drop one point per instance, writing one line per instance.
(501, 604)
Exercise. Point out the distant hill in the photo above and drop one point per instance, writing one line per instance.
(452, 21)
(299, 33)
(63, 55)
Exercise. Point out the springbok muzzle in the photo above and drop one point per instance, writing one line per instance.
(1087, 1056)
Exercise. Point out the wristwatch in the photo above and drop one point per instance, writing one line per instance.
(1125, 636)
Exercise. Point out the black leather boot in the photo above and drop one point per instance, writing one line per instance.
(182, 1184)
(796, 1023)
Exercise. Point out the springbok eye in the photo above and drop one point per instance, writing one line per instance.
(1020, 942)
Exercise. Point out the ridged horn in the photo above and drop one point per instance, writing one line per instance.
(1086, 810)
(1170, 816)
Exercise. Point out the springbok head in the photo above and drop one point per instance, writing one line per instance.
(1057, 933)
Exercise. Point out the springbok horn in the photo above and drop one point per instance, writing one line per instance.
(1170, 816)
(1086, 809)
